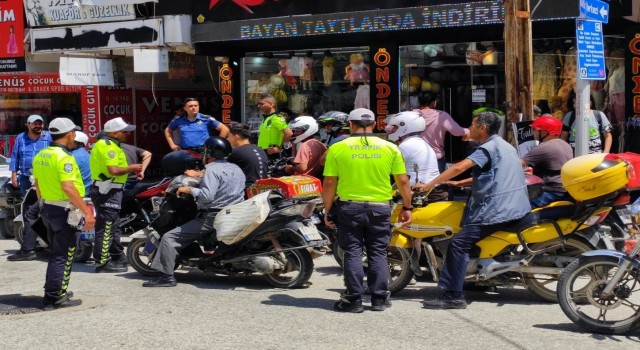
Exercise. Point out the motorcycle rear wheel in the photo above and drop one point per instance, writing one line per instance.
(587, 308)
(302, 263)
(18, 229)
(6, 227)
(545, 286)
(140, 262)
(84, 251)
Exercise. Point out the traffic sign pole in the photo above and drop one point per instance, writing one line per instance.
(590, 65)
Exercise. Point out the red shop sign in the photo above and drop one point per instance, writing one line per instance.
(29, 83)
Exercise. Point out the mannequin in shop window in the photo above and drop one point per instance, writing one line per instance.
(328, 67)
(357, 71)
(306, 71)
(287, 73)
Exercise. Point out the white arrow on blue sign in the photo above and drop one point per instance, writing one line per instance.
(595, 9)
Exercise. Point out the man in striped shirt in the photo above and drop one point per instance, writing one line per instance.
(27, 145)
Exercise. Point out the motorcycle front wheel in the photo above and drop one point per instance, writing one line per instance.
(139, 259)
(296, 272)
(581, 299)
(545, 286)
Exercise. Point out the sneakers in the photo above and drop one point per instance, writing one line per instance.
(161, 282)
(445, 301)
(349, 303)
(51, 303)
(110, 267)
(380, 303)
(21, 255)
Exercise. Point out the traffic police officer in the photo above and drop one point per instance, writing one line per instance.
(357, 169)
(194, 127)
(59, 185)
(274, 131)
(109, 170)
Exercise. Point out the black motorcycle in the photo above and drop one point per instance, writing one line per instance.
(10, 199)
(136, 213)
(277, 248)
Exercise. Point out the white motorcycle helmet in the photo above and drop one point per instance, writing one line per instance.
(308, 126)
(403, 124)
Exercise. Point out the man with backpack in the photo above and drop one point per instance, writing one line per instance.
(599, 134)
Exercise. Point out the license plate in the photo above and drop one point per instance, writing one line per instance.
(87, 236)
(310, 233)
(625, 215)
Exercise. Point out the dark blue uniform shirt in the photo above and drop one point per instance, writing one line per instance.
(193, 133)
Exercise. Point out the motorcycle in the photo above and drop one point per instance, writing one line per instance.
(138, 209)
(532, 253)
(599, 291)
(276, 248)
(10, 199)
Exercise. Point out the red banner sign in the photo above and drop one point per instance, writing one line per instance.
(12, 36)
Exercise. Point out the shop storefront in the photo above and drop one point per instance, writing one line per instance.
(320, 58)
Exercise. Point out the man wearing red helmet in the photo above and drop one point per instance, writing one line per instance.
(547, 158)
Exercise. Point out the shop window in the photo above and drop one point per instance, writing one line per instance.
(462, 76)
(16, 108)
(308, 82)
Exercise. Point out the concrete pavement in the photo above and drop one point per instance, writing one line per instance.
(218, 312)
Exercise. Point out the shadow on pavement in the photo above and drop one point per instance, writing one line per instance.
(329, 270)
(18, 304)
(203, 280)
(306, 303)
(573, 328)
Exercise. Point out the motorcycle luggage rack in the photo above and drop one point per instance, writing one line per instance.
(581, 212)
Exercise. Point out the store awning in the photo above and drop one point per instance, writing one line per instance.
(447, 15)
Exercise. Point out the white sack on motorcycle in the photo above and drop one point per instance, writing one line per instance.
(235, 222)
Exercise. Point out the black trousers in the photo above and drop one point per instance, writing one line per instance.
(107, 245)
(29, 235)
(63, 246)
(364, 226)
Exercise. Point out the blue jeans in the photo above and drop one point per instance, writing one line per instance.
(546, 198)
(24, 183)
(457, 259)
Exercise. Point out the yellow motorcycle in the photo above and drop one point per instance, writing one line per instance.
(532, 253)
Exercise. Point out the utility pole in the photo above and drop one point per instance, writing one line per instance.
(518, 60)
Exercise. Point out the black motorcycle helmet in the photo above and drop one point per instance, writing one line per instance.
(217, 147)
(176, 162)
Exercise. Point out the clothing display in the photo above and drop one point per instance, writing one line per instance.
(362, 97)
(544, 79)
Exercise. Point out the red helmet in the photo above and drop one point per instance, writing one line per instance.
(549, 124)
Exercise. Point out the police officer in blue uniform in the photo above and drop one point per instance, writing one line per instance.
(195, 128)
(59, 185)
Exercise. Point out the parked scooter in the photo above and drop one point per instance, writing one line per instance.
(10, 199)
(276, 248)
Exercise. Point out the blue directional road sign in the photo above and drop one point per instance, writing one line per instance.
(595, 9)
(591, 64)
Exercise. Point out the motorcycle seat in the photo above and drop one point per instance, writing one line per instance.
(541, 215)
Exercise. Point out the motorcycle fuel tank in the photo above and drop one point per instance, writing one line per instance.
(435, 219)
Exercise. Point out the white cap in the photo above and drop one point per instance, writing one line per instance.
(81, 137)
(117, 124)
(362, 114)
(62, 126)
(33, 118)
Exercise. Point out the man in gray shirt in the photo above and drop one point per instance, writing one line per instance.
(222, 185)
(547, 159)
